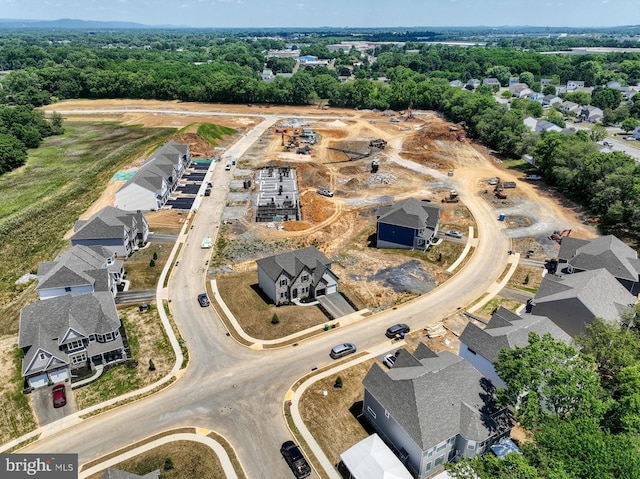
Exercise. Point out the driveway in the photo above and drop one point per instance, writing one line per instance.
(336, 305)
(43, 405)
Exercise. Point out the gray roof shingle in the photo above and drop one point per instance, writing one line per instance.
(434, 398)
(488, 342)
(410, 213)
(294, 262)
(43, 324)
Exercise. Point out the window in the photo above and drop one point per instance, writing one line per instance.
(92, 337)
(283, 282)
(440, 448)
(77, 344)
(440, 460)
(428, 467)
(109, 337)
(78, 358)
(41, 355)
(304, 278)
(283, 295)
(430, 454)
(471, 446)
(372, 412)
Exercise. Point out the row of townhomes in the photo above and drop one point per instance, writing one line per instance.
(150, 187)
(430, 408)
(75, 326)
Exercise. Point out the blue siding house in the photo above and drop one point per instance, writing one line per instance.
(407, 224)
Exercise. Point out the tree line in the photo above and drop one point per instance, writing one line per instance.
(580, 404)
(228, 70)
(23, 127)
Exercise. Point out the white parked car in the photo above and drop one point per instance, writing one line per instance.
(453, 233)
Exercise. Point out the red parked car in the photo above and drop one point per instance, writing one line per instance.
(59, 395)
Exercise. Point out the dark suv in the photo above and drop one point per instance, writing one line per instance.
(295, 459)
(397, 330)
(203, 300)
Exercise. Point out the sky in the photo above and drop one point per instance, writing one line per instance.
(334, 13)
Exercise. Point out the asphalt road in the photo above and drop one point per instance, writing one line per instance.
(239, 392)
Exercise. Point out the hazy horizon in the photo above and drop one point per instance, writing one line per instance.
(332, 13)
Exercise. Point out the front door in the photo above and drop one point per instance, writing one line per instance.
(294, 293)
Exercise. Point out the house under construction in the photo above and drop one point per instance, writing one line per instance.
(278, 195)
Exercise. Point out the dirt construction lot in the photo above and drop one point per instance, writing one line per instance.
(419, 153)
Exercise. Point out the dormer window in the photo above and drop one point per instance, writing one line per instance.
(77, 344)
(304, 278)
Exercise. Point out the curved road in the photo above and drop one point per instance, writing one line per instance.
(239, 392)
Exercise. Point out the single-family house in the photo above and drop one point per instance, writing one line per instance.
(572, 301)
(550, 100)
(473, 83)
(544, 125)
(614, 85)
(119, 231)
(81, 269)
(606, 252)
(513, 81)
(149, 188)
(68, 333)
(113, 473)
(591, 113)
(505, 329)
(561, 89)
(545, 82)
(530, 122)
(636, 133)
(574, 85)
(570, 107)
(456, 83)
(432, 408)
(517, 88)
(491, 82)
(407, 224)
(535, 96)
(296, 275)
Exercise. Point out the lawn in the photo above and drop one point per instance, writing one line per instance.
(148, 342)
(241, 294)
(189, 459)
(493, 304)
(138, 266)
(331, 419)
(40, 201)
(526, 278)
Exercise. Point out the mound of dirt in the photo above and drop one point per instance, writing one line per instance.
(315, 208)
(200, 148)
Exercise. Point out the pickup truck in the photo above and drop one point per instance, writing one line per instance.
(533, 177)
(325, 192)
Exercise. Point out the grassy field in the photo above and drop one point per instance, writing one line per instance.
(16, 417)
(241, 294)
(526, 278)
(212, 132)
(147, 341)
(41, 201)
(190, 460)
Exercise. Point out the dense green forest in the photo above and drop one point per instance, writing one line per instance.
(202, 66)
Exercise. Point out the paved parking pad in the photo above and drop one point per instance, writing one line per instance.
(189, 188)
(181, 203)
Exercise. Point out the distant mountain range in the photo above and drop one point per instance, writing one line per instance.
(68, 24)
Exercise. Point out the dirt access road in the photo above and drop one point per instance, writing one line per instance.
(415, 163)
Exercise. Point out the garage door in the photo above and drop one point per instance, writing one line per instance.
(332, 289)
(39, 381)
(59, 376)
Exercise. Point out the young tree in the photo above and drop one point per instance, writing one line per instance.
(548, 378)
(629, 124)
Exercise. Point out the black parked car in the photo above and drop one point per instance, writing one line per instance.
(397, 329)
(295, 459)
